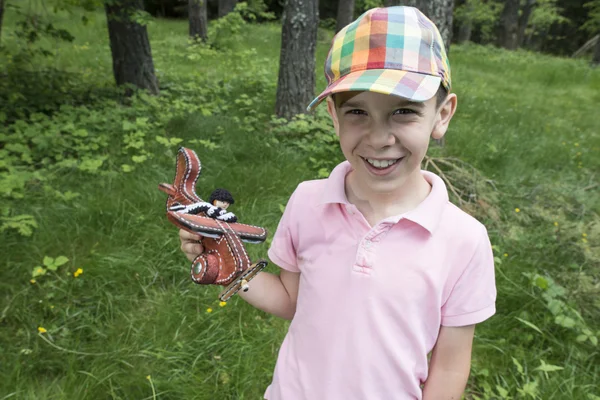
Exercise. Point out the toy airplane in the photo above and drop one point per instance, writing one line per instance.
(224, 261)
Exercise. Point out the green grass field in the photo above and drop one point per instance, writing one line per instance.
(132, 325)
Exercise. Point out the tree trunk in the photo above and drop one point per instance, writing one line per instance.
(588, 45)
(1, 15)
(464, 32)
(596, 56)
(440, 12)
(226, 6)
(509, 25)
(131, 54)
(296, 83)
(345, 14)
(198, 19)
(524, 21)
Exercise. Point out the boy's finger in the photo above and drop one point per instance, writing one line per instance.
(192, 249)
(185, 235)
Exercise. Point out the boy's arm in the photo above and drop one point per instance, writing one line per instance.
(274, 294)
(450, 364)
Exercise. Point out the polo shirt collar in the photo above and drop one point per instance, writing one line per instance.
(427, 214)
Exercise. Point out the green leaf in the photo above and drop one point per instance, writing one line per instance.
(48, 261)
(139, 159)
(126, 168)
(38, 271)
(530, 389)
(503, 393)
(541, 282)
(565, 321)
(548, 367)
(529, 324)
(594, 340)
(518, 365)
(581, 338)
(61, 260)
(22, 223)
(80, 133)
(128, 126)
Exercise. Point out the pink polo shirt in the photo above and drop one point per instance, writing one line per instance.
(371, 299)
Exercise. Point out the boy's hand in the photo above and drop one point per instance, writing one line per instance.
(190, 244)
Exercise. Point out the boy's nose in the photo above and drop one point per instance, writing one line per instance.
(381, 135)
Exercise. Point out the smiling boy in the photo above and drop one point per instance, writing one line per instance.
(378, 268)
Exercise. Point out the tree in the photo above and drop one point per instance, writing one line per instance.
(296, 82)
(345, 14)
(524, 20)
(129, 45)
(596, 56)
(592, 25)
(509, 25)
(226, 6)
(1, 15)
(479, 17)
(198, 20)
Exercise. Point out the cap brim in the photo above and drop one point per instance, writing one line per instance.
(412, 86)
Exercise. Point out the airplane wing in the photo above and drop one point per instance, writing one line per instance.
(211, 227)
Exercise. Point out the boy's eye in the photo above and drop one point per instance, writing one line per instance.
(404, 111)
(356, 112)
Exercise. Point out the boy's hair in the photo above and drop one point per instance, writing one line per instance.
(440, 96)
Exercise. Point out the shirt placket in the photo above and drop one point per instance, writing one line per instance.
(367, 247)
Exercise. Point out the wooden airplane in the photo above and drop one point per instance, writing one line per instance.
(224, 261)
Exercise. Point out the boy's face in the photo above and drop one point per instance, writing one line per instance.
(385, 138)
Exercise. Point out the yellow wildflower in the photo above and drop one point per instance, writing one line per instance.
(209, 310)
(517, 210)
(148, 377)
(42, 329)
(555, 223)
(78, 272)
(576, 144)
(505, 254)
(222, 304)
(584, 234)
(32, 281)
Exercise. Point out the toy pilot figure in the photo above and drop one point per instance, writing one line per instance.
(221, 199)
(216, 207)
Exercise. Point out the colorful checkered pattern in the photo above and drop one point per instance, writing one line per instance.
(393, 50)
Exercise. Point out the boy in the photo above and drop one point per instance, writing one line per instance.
(378, 269)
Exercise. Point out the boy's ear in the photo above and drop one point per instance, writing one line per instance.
(443, 116)
(333, 113)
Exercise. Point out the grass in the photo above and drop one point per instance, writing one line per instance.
(134, 326)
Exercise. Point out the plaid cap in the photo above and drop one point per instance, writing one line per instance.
(394, 50)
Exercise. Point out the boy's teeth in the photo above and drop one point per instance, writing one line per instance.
(381, 163)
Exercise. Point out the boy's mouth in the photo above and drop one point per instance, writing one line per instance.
(381, 166)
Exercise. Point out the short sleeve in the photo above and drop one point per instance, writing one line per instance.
(283, 246)
(473, 298)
